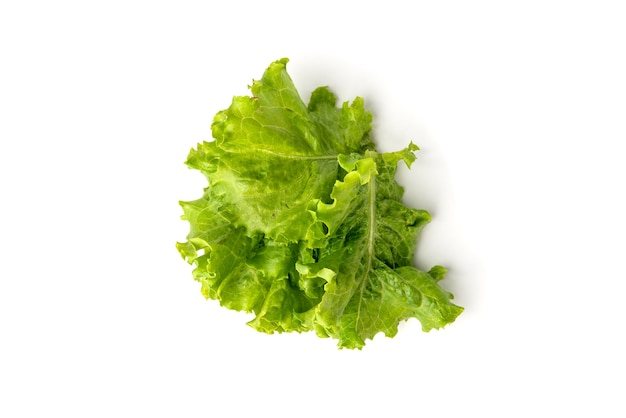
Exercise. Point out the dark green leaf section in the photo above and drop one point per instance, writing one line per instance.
(303, 223)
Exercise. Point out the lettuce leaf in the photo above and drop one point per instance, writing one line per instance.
(303, 223)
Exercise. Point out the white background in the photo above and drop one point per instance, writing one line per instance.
(519, 109)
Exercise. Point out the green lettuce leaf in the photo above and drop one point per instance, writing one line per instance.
(245, 273)
(272, 154)
(303, 223)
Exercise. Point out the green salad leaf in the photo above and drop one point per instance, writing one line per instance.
(302, 223)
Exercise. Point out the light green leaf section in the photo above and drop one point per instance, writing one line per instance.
(370, 244)
(272, 154)
(303, 223)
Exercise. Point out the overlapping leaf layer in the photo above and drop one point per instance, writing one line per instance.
(303, 224)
